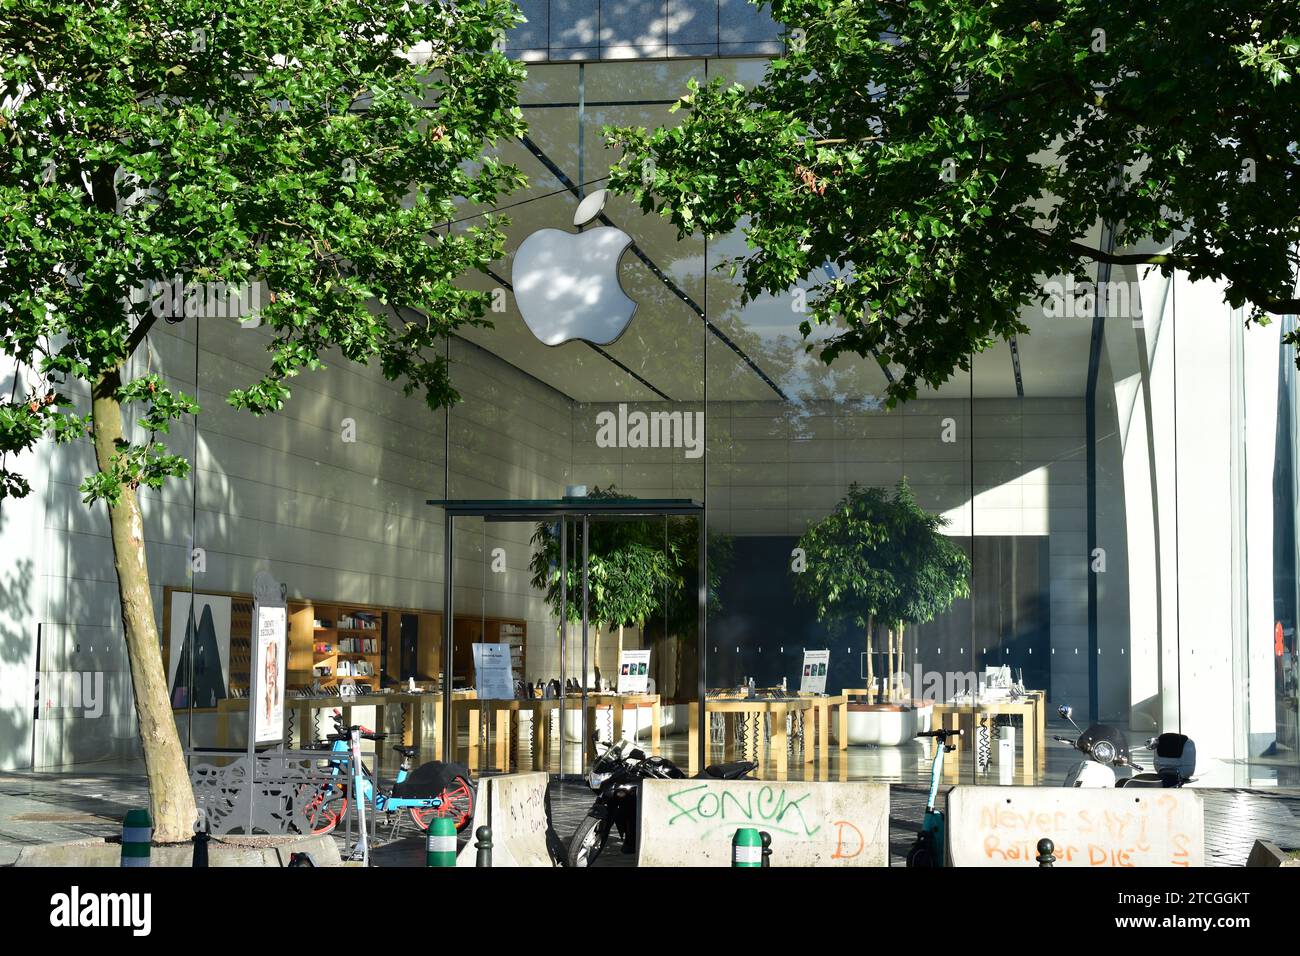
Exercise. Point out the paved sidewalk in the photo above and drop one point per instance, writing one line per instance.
(47, 807)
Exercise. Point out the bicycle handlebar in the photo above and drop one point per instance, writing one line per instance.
(365, 732)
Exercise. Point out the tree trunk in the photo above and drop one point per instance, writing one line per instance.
(871, 671)
(901, 666)
(171, 798)
(890, 687)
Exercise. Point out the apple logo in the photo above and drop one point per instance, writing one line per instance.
(566, 283)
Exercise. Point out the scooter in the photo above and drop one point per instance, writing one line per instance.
(614, 777)
(1174, 760)
(1106, 756)
(929, 848)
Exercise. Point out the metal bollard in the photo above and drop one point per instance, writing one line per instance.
(746, 848)
(440, 850)
(200, 848)
(1045, 848)
(484, 858)
(137, 836)
(767, 847)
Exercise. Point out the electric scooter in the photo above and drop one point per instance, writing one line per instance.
(929, 848)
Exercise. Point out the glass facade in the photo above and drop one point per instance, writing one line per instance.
(1122, 481)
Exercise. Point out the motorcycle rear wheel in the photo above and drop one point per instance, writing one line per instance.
(587, 843)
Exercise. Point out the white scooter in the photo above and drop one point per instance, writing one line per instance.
(1107, 761)
(1175, 762)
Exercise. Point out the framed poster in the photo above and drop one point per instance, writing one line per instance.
(493, 677)
(267, 698)
(198, 649)
(813, 679)
(634, 672)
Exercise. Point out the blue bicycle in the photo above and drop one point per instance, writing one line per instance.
(434, 789)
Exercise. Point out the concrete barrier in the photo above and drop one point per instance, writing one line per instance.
(691, 822)
(1001, 826)
(233, 850)
(517, 807)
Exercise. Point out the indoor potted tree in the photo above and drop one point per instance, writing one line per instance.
(848, 574)
(629, 569)
(880, 560)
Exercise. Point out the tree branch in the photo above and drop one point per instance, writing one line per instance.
(140, 331)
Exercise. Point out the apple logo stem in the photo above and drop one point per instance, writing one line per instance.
(566, 283)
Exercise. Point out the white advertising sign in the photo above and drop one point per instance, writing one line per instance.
(267, 702)
(634, 672)
(813, 680)
(493, 678)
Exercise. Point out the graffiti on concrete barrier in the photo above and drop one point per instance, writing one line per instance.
(1143, 833)
(773, 808)
(855, 844)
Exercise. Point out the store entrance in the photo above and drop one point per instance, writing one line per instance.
(575, 622)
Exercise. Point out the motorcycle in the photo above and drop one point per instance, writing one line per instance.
(614, 778)
(1108, 761)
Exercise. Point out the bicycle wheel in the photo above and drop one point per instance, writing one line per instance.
(457, 803)
(326, 810)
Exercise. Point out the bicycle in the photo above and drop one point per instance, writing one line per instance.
(434, 789)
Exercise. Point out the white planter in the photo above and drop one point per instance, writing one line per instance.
(887, 728)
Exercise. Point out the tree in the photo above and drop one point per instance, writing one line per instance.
(880, 558)
(316, 150)
(848, 576)
(929, 572)
(639, 571)
(948, 156)
(629, 568)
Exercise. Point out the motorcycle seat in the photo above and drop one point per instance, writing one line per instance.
(729, 771)
(1150, 780)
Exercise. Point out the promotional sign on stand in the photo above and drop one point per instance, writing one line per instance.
(270, 630)
(813, 679)
(634, 672)
(493, 677)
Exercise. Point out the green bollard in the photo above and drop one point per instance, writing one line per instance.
(137, 835)
(746, 848)
(440, 850)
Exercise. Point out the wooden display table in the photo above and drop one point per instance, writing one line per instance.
(965, 716)
(620, 703)
(752, 713)
(541, 708)
(1039, 698)
(823, 713)
(411, 704)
